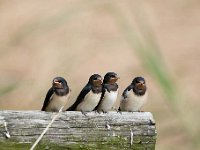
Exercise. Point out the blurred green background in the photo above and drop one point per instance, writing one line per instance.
(74, 39)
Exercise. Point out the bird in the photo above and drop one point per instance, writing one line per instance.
(89, 96)
(134, 96)
(57, 96)
(109, 93)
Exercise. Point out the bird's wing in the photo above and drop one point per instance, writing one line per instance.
(47, 98)
(80, 98)
(124, 94)
(102, 97)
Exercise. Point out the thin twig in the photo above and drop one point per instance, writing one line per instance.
(7, 134)
(131, 137)
(46, 129)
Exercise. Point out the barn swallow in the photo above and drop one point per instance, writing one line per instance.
(90, 95)
(57, 96)
(134, 96)
(109, 92)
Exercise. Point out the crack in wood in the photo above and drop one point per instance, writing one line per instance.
(70, 129)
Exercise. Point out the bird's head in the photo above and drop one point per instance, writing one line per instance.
(139, 83)
(95, 80)
(60, 86)
(110, 78)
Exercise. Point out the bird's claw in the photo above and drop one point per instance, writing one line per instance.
(84, 113)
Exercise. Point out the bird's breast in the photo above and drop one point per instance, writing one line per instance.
(132, 102)
(57, 102)
(89, 102)
(108, 100)
(110, 96)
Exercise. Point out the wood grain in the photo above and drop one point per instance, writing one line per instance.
(74, 130)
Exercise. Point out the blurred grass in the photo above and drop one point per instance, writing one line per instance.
(148, 52)
(7, 89)
(144, 44)
(44, 25)
(150, 56)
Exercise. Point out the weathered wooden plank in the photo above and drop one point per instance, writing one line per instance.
(74, 130)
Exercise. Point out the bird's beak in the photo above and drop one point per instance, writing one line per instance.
(57, 84)
(116, 77)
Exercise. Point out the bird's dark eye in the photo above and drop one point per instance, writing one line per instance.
(95, 78)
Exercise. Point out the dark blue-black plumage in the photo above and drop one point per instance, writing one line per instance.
(57, 96)
(134, 96)
(89, 95)
(109, 92)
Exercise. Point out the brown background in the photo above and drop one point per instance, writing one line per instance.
(74, 39)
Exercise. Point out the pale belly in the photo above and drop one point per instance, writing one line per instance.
(57, 102)
(133, 102)
(90, 101)
(108, 101)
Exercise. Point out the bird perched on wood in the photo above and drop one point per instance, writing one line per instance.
(134, 96)
(90, 95)
(57, 96)
(109, 93)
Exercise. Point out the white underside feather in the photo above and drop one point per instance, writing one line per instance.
(108, 101)
(56, 102)
(90, 101)
(132, 102)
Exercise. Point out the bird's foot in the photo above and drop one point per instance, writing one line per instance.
(84, 113)
(140, 111)
(114, 108)
(96, 111)
(104, 112)
(118, 110)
